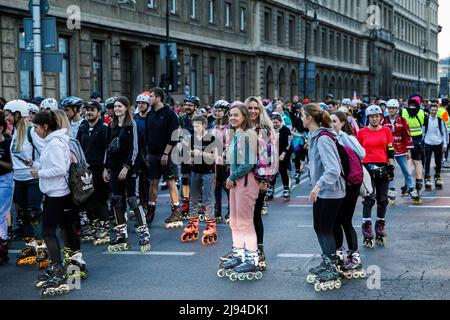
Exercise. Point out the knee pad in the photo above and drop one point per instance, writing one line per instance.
(185, 181)
(382, 201)
(133, 203)
(369, 201)
(116, 201)
(34, 216)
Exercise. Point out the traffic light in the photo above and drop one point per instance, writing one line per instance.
(174, 75)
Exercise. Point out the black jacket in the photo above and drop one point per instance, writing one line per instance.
(159, 126)
(93, 142)
(128, 152)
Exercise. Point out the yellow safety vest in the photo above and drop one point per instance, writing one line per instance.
(443, 114)
(415, 123)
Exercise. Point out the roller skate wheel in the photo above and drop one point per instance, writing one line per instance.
(221, 273)
(204, 240)
(250, 276)
(228, 273)
(233, 277)
(145, 248)
(110, 249)
(348, 275)
(331, 285)
(310, 278)
(258, 275)
(241, 276)
(356, 275)
(362, 273)
(317, 287)
(338, 284)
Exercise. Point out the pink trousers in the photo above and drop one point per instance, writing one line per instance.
(242, 205)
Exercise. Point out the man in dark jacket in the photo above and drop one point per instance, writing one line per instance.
(92, 137)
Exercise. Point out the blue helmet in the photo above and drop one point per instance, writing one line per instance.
(194, 100)
(72, 102)
(37, 100)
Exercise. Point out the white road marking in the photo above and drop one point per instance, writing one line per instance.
(311, 226)
(300, 206)
(430, 207)
(152, 253)
(298, 255)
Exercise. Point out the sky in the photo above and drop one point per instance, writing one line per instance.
(444, 21)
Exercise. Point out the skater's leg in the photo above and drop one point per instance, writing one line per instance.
(236, 233)
(428, 153)
(257, 218)
(344, 219)
(6, 196)
(196, 190)
(382, 198)
(325, 212)
(153, 190)
(207, 187)
(284, 172)
(438, 159)
(53, 211)
(406, 170)
(69, 235)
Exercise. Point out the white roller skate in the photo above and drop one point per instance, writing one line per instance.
(353, 266)
(121, 241)
(144, 238)
(392, 195)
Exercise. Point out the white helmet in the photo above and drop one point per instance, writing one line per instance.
(17, 106)
(354, 103)
(49, 103)
(373, 110)
(380, 102)
(393, 103)
(345, 102)
(143, 98)
(33, 108)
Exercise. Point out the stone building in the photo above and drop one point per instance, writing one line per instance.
(232, 48)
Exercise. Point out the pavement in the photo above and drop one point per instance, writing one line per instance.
(414, 264)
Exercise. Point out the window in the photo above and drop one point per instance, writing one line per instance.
(243, 79)
(268, 26)
(228, 78)
(228, 15)
(97, 67)
(280, 29)
(243, 22)
(211, 78)
(151, 4)
(211, 14)
(194, 75)
(193, 9)
(64, 76)
(26, 77)
(173, 6)
(292, 33)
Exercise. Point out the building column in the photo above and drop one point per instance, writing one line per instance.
(137, 75)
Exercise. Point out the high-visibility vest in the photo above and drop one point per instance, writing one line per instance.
(415, 123)
(443, 114)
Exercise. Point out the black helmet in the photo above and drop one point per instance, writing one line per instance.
(221, 104)
(92, 105)
(72, 102)
(37, 100)
(194, 100)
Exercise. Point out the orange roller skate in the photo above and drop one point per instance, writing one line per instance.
(190, 233)
(210, 233)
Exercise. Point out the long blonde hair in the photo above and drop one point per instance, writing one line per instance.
(62, 121)
(22, 132)
(265, 122)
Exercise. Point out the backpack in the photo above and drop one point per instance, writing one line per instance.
(30, 140)
(80, 177)
(266, 164)
(351, 164)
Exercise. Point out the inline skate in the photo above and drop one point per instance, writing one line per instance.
(428, 184)
(174, 220)
(121, 241)
(438, 183)
(202, 213)
(227, 219)
(150, 214)
(218, 217)
(230, 261)
(144, 238)
(3, 252)
(415, 194)
(74, 264)
(328, 278)
(297, 177)
(353, 266)
(265, 207)
(262, 264)
(102, 235)
(56, 284)
(270, 193)
(164, 185)
(209, 235)
(27, 255)
(88, 232)
(41, 254)
(380, 233)
(286, 195)
(405, 192)
(392, 195)
(314, 271)
(185, 208)
(340, 259)
(190, 232)
(248, 269)
(368, 234)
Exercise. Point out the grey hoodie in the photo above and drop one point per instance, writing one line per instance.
(325, 165)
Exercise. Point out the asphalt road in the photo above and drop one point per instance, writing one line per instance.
(413, 265)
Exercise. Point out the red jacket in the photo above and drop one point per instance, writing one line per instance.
(401, 134)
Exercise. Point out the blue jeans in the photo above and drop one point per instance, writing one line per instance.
(6, 197)
(406, 170)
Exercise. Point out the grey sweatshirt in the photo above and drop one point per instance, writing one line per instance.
(325, 166)
(351, 142)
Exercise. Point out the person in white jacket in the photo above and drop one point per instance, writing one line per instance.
(52, 172)
(26, 148)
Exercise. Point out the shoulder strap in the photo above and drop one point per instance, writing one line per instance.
(30, 140)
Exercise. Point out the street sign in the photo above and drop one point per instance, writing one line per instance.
(172, 51)
(44, 7)
(51, 61)
(48, 33)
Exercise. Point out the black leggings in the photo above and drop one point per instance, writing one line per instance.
(283, 171)
(97, 204)
(222, 173)
(58, 211)
(257, 218)
(380, 197)
(28, 199)
(325, 212)
(344, 219)
(429, 150)
(299, 157)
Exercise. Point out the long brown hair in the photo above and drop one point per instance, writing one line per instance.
(321, 117)
(128, 116)
(247, 124)
(343, 118)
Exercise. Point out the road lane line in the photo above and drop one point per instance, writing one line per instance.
(430, 207)
(151, 253)
(298, 255)
(300, 206)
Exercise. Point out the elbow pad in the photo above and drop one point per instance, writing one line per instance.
(390, 152)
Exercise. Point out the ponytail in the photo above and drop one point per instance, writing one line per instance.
(321, 117)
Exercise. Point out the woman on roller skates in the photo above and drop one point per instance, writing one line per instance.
(26, 148)
(377, 140)
(244, 191)
(352, 266)
(120, 172)
(328, 192)
(204, 152)
(52, 172)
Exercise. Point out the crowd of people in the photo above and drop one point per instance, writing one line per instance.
(89, 167)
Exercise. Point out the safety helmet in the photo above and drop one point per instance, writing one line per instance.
(194, 100)
(373, 110)
(415, 99)
(72, 102)
(221, 104)
(393, 103)
(93, 105)
(380, 102)
(37, 100)
(345, 102)
(32, 108)
(17, 106)
(109, 103)
(49, 103)
(143, 98)
(323, 106)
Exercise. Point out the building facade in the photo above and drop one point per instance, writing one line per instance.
(233, 48)
(444, 76)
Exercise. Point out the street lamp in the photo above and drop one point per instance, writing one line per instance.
(423, 45)
(315, 25)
